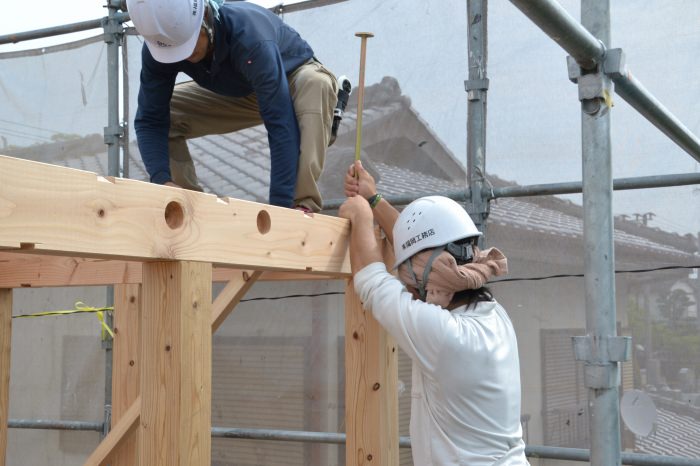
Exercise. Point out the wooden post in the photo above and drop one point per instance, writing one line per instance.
(5, 345)
(126, 370)
(371, 397)
(176, 364)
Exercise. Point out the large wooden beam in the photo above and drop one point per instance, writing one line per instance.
(5, 345)
(18, 270)
(59, 211)
(371, 397)
(176, 364)
(126, 367)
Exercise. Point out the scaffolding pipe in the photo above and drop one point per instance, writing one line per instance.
(573, 187)
(601, 370)
(54, 425)
(635, 94)
(575, 39)
(559, 25)
(620, 184)
(532, 451)
(59, 30)
(476, 87)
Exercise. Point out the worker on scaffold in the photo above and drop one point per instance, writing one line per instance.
(465, 396)
(248, 67)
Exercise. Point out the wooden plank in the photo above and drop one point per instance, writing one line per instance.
(54, 210)
(124, 427)
(126, 366)
(34, 270)
(371, 398)
(176, 364)
(5, 350)
(18, 270)
(230, 296)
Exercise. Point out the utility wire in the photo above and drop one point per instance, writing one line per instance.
(338, 293)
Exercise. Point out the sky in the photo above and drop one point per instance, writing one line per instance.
(534, 121)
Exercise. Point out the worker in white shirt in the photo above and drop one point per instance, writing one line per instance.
(465, 397)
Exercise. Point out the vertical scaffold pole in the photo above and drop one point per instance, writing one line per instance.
(602, 375)
(113, 36)
(476, 86)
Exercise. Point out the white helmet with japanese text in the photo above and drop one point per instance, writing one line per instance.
(431, 222)
(169, 27)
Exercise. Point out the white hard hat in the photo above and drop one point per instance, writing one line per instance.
(169, 27)
(430, 222)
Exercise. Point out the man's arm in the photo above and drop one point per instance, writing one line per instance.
(152, 121)
(364, 248)
(359, 181)
(264, 69)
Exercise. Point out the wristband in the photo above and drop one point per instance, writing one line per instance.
(374, 200)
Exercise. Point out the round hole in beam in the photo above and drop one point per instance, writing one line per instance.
(264, 222)
(174, 215)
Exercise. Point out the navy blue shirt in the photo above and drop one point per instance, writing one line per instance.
(254, 51)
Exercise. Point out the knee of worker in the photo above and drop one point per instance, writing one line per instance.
(315, 91)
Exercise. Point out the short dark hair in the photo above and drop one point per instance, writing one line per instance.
(471, 297)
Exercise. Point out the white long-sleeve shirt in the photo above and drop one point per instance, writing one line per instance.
(465, 397)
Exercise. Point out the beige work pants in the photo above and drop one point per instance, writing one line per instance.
(196, 112)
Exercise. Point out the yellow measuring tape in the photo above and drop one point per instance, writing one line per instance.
(79, 307)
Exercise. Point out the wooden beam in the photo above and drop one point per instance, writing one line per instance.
(371, 397)
(230, 296)
(124, 427)
(5, 353)
(34, 270)
(18, 270)
(54, 210)
(126, 367)
(176, 364)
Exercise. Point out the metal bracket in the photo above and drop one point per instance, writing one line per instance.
(113, 134)
(476, 84)
(113, 30)
(475, 87)
(615, 63)
(602, 372)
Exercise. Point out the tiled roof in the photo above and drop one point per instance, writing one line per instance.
(675, 435)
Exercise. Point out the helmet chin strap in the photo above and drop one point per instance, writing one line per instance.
(426, 272)
(207, 24)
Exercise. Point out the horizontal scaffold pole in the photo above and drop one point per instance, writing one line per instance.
(59, 30)
(620, 184)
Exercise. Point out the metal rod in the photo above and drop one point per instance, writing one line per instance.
(59, 30)
(113, 36)
(477, 86)
(583, 46)
(54, 425)
(558, 24)
(601, 375)
(635, 94)
(361, 90)
(532, 451)
(620, 184)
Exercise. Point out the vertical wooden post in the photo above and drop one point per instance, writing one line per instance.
(371, 397)
(126, 372)
(5, 345)
(176, 364)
